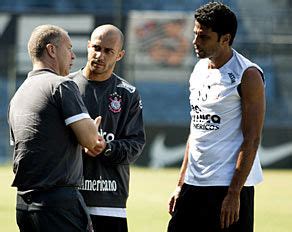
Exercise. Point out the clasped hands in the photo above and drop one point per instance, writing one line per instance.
(100, 142)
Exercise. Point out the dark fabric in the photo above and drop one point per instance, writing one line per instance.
(109, 224)
(106, 178)
(59, 209)
(198, 210)
(46, 152)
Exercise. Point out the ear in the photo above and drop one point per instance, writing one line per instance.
(120, 55)
(88, 44)
(51, 49)
(225, 39)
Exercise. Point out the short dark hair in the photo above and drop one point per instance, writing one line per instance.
(41, 36)
(219, 18)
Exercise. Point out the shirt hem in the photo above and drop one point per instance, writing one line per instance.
(223, 183)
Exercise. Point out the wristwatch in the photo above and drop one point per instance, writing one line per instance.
(107, 150)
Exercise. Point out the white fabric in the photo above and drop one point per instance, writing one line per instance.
(108, 211)
(76, 118)
(216, 134)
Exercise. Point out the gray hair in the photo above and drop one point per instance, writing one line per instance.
(40, 37)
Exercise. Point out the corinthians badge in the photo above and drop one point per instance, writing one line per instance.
(115, 105)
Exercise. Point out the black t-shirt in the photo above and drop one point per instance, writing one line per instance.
(106, 178)
(46, 151)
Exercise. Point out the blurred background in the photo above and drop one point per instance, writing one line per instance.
(159, 59)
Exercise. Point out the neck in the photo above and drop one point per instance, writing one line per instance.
(221, 59)
(45, 65)
(90, 75)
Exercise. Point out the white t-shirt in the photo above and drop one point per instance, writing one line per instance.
(216, 134)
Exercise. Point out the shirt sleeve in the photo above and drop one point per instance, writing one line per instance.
(127, 149)
(11, 140)
(70, 101)
(11, 136)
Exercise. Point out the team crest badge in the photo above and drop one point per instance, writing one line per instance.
(115, 105)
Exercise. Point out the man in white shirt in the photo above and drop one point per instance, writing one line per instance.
(215, 190)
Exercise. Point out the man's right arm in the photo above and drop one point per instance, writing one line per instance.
(67, 97)
(86, 132)
(175, 195)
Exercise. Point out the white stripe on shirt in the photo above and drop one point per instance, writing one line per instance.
(76, 118)
(108, 211)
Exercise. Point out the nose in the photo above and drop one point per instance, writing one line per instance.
(73, 56)
(195, 40)
(99, 55)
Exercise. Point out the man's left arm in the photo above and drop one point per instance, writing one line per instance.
(127, 148)
(253, 111)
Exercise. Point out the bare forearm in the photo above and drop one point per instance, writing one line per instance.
(176, 192)
(244, 164)
(231, 204)
(184, 166)
(86, 133)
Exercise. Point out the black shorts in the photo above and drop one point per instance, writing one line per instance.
(198, 210)
(109, 224)
(59, 209)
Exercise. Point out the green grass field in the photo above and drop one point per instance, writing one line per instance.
(150, 190)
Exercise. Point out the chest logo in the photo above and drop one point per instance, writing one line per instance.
(115, 105)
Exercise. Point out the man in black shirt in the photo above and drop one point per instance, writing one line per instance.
(47, 120)
(105, 185)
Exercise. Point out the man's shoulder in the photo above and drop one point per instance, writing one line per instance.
(56, 83)
(123, 84)
(52, 80)
(242, 63)
(64, 81)
(74, 75)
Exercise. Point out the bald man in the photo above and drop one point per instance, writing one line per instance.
(106, 177)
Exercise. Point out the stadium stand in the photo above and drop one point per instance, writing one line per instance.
(100, 5)
(264, 35)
